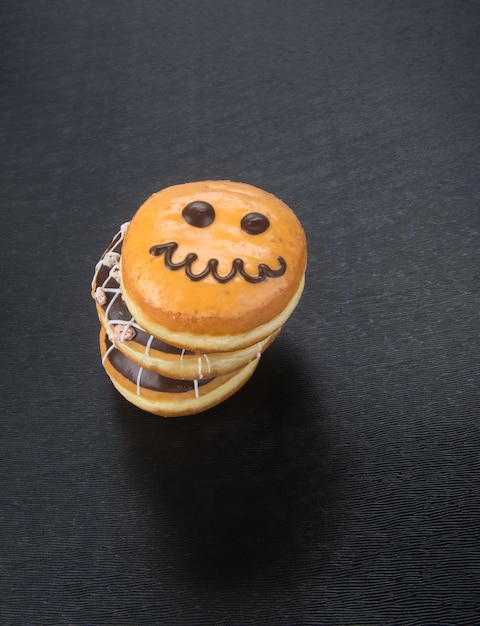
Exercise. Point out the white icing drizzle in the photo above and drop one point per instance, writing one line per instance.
(207, 360)
(131, 323)
(149, 343)
(139, 376)
(181, 361)
(105, 356)
(110, 255)
(116, 293)
(195, 386)
(200, 375)
(259, 348)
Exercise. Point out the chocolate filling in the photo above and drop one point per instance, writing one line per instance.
(147, 379)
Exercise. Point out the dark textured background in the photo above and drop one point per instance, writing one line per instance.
(341, 485)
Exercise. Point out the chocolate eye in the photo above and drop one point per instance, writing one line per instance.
(199, 214)
(254, 223)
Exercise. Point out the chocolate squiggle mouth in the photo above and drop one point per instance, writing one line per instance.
(264, 271)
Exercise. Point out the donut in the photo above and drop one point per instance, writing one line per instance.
(213, 265)
(165, 396)
(193, 290)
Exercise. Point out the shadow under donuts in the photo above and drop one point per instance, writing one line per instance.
(247, 484)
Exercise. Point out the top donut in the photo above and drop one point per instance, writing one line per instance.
(213, 265)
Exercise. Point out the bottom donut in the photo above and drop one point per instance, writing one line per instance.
(164, 396)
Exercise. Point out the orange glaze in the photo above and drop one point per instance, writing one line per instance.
(171, 299)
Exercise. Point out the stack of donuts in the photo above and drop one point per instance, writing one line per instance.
(193, 289)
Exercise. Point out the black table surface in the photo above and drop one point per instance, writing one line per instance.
(341, 484)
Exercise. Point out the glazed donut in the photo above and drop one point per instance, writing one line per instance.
(214, 265)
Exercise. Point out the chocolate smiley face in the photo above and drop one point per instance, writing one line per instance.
(201, 214)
